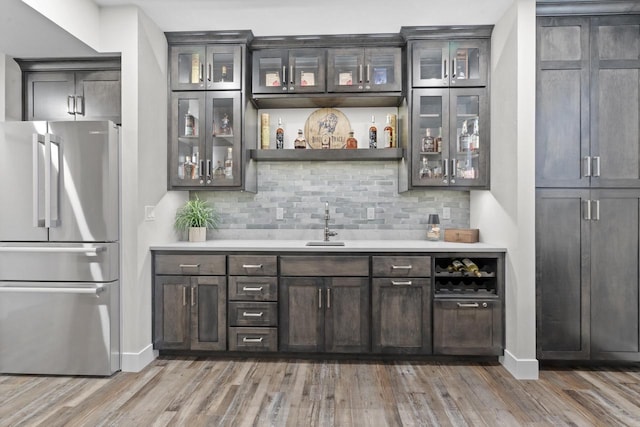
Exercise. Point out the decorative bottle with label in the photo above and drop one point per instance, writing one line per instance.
(352, 142)
(189, 124)
(428, 143)
(464, 139)
(280, 135)
(188, 167)
(223, 73)
(475, 136)
(300, 142)
(373, 133)
(228, 164)
(388, 134)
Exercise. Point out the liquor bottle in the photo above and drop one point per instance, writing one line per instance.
(465, 138)
(188, 167)
(475, 136)
(388, 133)
(228, 164)
(394, 133)
(428, 145)
(300, 142)
(279, 135)
(437, 142)
(352, 142)
(219, 172)
(455, 266)
(225, 126)
(471, 267)
(373, 133)
(189, 124)
(195, 162)
(264, 134)
(424, 170)
(223, 73)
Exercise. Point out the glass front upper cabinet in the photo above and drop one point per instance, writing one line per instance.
(289, 71)
(450, 63)
(205, 140)
(364, 70)
(449, 138)
(211, 67)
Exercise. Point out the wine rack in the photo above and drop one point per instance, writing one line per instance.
(466, 283)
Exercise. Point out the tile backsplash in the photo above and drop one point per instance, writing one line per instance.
(301, 189)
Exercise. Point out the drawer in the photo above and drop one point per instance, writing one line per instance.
(321, 265)
(190, 264)
(253, 313)
(249, 288)
(253, 265)
(253, 339)
(401, 266)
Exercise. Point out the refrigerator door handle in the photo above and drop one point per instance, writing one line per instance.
(54, 249)
(80, 105)
(37, 140)
(53, 153)
(53, 290)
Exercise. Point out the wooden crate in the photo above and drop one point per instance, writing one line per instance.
(461, 235)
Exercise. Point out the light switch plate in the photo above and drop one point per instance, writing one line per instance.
(149, 213)
(279, 213)
(371, 213)
(446, 213)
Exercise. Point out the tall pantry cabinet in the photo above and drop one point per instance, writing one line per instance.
(588, 187)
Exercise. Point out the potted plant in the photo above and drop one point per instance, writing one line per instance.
(197, 216)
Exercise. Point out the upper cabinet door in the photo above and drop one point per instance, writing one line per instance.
(306, 73)
(364, 70)
(450, 63)
(50, 96)
(98, 96)
(224, 65)
(270, 68)
(188, 67)
(187, 165)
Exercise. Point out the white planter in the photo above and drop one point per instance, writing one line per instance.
(197, 234)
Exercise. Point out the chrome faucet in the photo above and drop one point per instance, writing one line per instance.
(327, 232)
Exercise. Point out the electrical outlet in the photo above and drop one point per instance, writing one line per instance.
(279, 213)
(149, 213)
(446, 213)
(371, 213)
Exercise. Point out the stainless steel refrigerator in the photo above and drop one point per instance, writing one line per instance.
(59, 248)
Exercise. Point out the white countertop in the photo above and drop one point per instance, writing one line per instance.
(349, 246)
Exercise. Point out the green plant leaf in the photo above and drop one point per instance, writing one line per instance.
(196, 213)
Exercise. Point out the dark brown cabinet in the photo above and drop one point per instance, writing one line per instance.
(189, 307)
(364, 70)
(72, 90)
(289, 71)
(211, 67)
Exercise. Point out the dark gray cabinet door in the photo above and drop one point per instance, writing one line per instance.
(562, 274)
(208, 300)
(562, 102)
(347, 315)
(47, 95)
(301, 317)
(171, 320)
(615, 320)
(401, 315)
(98, 95)
(615, 110)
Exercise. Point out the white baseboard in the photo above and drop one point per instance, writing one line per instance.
(136, 362)
(521, 369)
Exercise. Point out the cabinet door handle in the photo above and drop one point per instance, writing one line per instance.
(193, 296)
(444, 69)
(445, 164)
(291, 79)
(596, 168)
(202, 171)
(454, 164)
(368, 73)
(360, 73)
(189, 265)
(453, 68)
(251, 265)
(209, 72)
(596, 216)
(328, 297)
(402, 267)
(284, 77)
(319, 298)
(201, 74)
(209, 171)
(587, 166)
(79, 105)
(256, 340)
(71, 104)
(468, 304)
(404, 283)
(250, 314)
(252, 289)
(586, 210)
(184, 296)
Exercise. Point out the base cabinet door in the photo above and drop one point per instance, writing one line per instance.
(301, 317)
(171, 322)
(401, 315)
(347, 315)
(467, 327)
(208, 313)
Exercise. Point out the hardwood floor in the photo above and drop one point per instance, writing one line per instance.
(175, 391)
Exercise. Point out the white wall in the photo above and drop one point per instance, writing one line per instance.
(506, 214)
(10, 89)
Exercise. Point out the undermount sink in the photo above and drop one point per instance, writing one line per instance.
(322, 243)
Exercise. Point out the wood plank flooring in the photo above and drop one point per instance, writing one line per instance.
(178, 391)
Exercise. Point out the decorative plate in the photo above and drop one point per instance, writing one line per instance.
(327, 124)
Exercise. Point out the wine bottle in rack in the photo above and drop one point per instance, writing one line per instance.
(471, 267)
(455, 265)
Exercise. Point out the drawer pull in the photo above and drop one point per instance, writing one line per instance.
(401, 267)
(251, 265)
(470, 305)
(245, 339)
(249, 314)
(396, 283)
(252, 289)
(189, 265)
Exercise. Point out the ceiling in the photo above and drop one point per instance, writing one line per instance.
(24, 33)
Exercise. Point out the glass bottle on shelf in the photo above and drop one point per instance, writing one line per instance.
(228, 164)
(223, 73)
(425, 172)
(279, 135)
(428, 142)
(388, 133)
(437, 142)
(300, 142)
(464, 139)
(219, 171)
(188, 167)
(352, 142)
(225, 125)
(475, 136)
(189, 124)
(373, 133)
